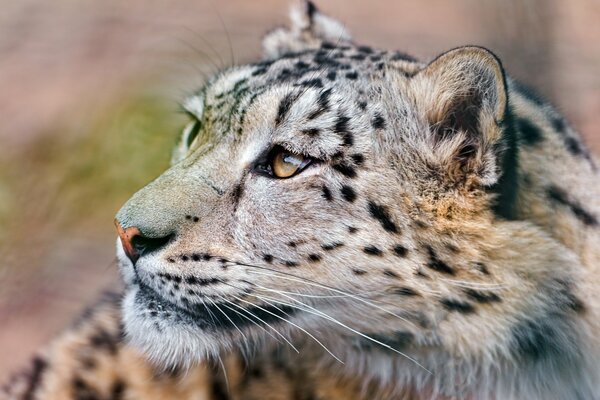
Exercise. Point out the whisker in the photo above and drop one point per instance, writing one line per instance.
(224, 374)
(293, 324)
(264, 322)
(210, 47)
(286, 275)
(478, 285)
(230, 320)
(328, 317)
(224, 26)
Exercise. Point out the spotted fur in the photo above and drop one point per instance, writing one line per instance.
(442, 244)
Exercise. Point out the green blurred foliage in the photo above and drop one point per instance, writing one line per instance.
(79, 179)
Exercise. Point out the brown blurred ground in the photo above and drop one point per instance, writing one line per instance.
(88, 113)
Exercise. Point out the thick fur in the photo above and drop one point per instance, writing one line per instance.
(442, 244)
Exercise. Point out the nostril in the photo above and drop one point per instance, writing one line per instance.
(135, 244)
(145, 245)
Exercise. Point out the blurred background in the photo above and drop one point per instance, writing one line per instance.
(88, 113)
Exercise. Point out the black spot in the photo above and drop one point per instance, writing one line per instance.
(345, 169)
(192, 280)
(352, 75)
(260, 71)
(545, 337)
(352, 229)
(380, 213)
(400, 250)
(341, 128)
(284, 107)
(482, 297)
(184, 258)
(314, 257)
(357, 271)
(117, 390)
(104, 340)
(372, 250)
(365, 49)
(331, 246)
(292, 244)
(402, 56)
(323, 102)
(348, 193)
(206, 257)
(331, 75)
(560, 196)
(290, 263)
(530, 133)
(195, 219)
(378, 122)
(358, 57)
(458, 306)
(188, 217)
(404, 291)
(559, 124)
(573, 146)
(196, 257)
(268, 258)
(39, 366)
(327, 45)
(312, 132)
(362, 105)
(301, 65)
(390, 273)
(482, 268)
(438, 265)
(83, 391)
(327, 193)
(315, 82)
(358, 159)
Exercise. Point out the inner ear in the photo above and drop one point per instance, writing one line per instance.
(465, 85)
(463, 96)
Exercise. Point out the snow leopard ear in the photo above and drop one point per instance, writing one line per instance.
(464, 98)
(309, 28)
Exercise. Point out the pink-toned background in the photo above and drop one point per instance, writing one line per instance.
(88, 110)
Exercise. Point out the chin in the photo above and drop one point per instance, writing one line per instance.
(168, 338)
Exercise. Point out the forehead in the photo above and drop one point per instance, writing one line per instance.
(352, 69)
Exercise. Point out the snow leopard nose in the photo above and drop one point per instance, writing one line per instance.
(135, 244)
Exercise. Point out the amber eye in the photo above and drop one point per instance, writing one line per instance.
(286, 164)
(281, 163)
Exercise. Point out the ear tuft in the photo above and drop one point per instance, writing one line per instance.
(463, 94)
(309, 29)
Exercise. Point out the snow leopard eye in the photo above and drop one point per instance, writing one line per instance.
(192, 133)
(282, 163)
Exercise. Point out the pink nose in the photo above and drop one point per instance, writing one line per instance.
(127, 235)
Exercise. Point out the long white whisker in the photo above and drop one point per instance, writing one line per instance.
(350, 295)
(294, 325)
(264, 322)
(224, 373)
(230, 320)
(328, 317)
